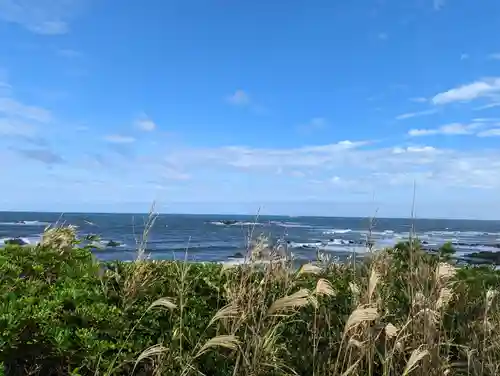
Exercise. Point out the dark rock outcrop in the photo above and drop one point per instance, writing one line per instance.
(483, 257)
(15, 241)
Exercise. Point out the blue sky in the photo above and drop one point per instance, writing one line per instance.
(302, 108)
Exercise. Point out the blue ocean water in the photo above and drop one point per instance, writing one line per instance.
(207, 238)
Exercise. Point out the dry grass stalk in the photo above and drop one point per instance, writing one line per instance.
(430, 315)
(390, 330)
(360, 315)
(150, 352)
(355, 343)
(61, 238)
(139, 279)
(324, 288)
(225, 341)
(148, 226)
(416, 356)
(419, 299)
(355, 290)
(310, 269)
(290, 302)
(445, 296)
(445, 271)
(163, 302)
(372, 283)
(229, 311)
(490, 296)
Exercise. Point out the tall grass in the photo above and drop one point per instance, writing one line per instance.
(399, 311)
(397, 315)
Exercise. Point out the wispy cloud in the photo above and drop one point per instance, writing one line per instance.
(486, 120)
(489, 105)
(447, 129)
(495, 56)
(490, 133)
(48, 17)
(11, 107)
(10, 127)
(410, 115)
(469, 92)
(239, 98)
(145, 124)
(382, 36)
(119, 139)
(464, 56)
(46, 156)
(5, 87)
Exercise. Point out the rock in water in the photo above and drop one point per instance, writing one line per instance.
(112, 243)
(484, 257)
(15, 241)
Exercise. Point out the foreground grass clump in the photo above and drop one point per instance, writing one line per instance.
(400, 312)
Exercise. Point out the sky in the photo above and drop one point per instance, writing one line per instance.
(331, 108)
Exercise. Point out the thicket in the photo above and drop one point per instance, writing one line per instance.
(398, 312)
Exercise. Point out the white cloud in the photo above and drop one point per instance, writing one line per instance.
(145, 124)
(119, 139)
(464, 56)
(48, 17)
(495, 56)
(11, 107)
(239, 98)
(489, 105)
(486, 120)
(416, 114)
(466, 93)
(490, 133)
(447, 129)
(350, 161)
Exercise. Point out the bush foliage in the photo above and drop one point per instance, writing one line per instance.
(399, 312)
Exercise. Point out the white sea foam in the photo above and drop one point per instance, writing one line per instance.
(337, 231)
(306, 245)
(25, 223)
(28, 240)
(290, 224)
(342, 248)
(379, 233)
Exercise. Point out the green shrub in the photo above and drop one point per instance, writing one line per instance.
(64, 313)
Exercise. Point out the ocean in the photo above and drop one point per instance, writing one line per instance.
(217, 238)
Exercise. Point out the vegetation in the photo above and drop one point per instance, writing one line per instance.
(399, 312)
